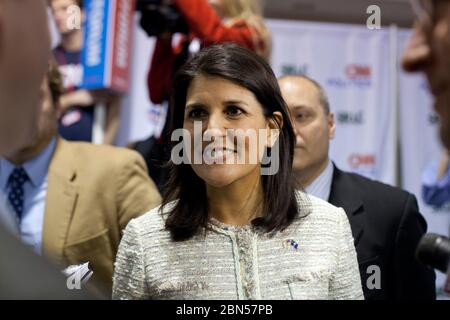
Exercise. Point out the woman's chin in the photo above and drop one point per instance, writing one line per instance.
(217, 176)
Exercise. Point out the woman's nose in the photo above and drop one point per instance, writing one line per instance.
(215, 126)
(215, 121)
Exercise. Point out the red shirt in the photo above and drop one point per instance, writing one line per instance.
(204, 24)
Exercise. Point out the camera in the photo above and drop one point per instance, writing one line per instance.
(159, 16)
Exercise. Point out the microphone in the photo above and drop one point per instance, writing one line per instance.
(434, 251)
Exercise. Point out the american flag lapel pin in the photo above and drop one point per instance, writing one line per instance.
(290, 243)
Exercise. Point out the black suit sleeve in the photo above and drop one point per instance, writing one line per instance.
(412, 279)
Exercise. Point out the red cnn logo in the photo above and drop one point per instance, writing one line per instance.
(359, 160)
(354, 71)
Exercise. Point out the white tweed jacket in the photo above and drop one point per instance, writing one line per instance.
(314, 258)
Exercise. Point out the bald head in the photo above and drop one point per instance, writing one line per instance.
(24, 53)
(313, 125)
(304, 84)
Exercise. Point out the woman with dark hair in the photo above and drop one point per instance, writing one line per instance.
(229, 226)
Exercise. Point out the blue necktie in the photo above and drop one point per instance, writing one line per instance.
(16, 193)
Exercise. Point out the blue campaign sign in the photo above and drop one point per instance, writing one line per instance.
(95, 54)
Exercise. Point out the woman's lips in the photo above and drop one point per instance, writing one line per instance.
(219, 155)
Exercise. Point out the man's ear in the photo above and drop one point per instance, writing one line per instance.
(274, 127)
(331, 125)
(58, 110)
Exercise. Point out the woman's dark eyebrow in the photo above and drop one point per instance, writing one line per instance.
(194, 105)
(238, 102)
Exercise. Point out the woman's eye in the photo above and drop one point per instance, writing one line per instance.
(197, 114)
(234, 111)
(300, 116)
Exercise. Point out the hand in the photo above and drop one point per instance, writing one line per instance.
(82, 98)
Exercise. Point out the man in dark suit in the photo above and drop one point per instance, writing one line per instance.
(385, 221)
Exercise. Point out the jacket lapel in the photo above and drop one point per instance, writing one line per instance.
(344, 194)
(60, 202)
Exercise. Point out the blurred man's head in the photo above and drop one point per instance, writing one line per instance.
(24, 53)
(51, 91)
(429, 51)
(63, 14)
(313, 124)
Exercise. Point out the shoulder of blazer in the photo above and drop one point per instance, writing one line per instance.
(368, 188)
(345, 192)
(62, 163)
(387, 199)
(75, 155)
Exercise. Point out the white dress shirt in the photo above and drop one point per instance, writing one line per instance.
(35, 191)
(321, 186)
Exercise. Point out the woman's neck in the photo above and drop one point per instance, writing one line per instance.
(238, 203)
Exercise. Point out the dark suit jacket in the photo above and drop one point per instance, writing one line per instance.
(24, 275)
(387, 226)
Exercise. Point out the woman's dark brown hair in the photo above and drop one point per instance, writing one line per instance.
(244, 68)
